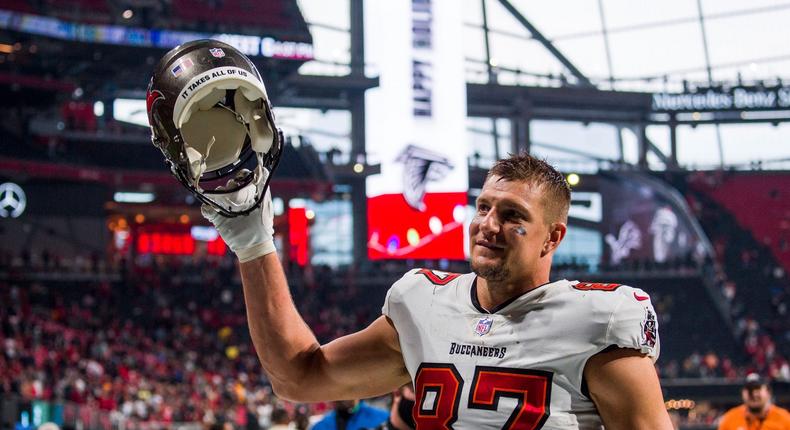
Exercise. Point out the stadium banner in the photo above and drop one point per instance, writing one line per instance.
(642, 223)
(415, 125)
(712, 99)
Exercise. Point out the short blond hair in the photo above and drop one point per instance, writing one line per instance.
(524, 167)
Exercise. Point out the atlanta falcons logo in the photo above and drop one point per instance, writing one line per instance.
(421, 166)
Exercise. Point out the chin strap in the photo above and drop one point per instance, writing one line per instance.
(197, 162)
(241, 119)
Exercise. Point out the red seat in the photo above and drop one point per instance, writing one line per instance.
(760, 203)
(242, 12)
(17, 6)
(91, 11)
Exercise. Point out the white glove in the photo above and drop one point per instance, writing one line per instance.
(248, 236)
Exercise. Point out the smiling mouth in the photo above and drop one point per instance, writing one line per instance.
(489, 245)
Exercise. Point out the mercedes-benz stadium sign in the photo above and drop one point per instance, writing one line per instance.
(738, 98)
(12, 200)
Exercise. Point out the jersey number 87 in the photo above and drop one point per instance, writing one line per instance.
(442, 382)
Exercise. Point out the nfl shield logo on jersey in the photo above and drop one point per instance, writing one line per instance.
(217, 52)
(483, 326)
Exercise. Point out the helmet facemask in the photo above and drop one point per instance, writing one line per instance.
(227, 131)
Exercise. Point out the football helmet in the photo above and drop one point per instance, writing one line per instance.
(211, 117)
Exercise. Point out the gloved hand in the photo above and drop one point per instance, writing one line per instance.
(248, 236)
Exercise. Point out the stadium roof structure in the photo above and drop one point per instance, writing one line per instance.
(671, 47)
(617, 44)
(686, 48)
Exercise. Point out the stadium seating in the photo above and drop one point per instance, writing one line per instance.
(206, 15)
(89, 11)
(18, 6)
(749, 274)
(229, 12)
(759, 201)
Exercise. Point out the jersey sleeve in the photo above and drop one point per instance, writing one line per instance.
(634, 324)
(394, 298)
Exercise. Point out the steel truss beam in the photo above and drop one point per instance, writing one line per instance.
(322, 92)
(546, 43)
(566, 103)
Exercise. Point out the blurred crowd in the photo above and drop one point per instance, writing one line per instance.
(168, 343)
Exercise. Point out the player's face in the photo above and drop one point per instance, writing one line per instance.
(508, 233)
(756, 399)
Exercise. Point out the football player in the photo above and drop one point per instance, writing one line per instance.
(499, 347)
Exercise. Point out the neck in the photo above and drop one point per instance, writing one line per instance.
(492, 294)
(762, 413)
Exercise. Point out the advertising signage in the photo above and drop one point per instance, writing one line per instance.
(415, 125)
(134, 36)
(709, 99)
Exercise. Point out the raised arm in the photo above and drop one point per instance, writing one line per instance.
(624, 386)
(359, 365)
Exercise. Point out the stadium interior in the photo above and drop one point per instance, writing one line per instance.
(121, 308)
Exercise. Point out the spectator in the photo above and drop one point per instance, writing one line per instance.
(280, 419)
(352, 415)
(401, 417)
(757, 411)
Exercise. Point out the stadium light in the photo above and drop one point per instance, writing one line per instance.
(278, 206)
(133, 197)
(98, 109)
(204, 233)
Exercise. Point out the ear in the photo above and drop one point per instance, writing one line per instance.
(557, 232)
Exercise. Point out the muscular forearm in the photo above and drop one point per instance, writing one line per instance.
(360, 365)
(283, 341)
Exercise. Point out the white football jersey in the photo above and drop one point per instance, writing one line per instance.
(519, 366)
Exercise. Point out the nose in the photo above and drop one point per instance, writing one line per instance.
(489, 224)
